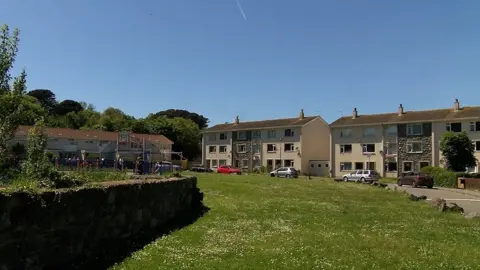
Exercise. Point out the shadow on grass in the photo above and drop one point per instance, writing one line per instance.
(113, 252)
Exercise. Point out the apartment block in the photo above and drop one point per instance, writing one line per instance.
(401, 141)
(301, 142)
(66, 142)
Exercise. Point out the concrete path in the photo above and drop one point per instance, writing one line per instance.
(467, 199)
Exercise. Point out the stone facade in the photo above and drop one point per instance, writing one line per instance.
(239, 157)
(416, 158)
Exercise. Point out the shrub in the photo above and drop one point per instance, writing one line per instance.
(441, 176)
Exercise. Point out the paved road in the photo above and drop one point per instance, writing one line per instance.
(467, 199)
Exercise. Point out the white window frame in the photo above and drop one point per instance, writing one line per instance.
(342, 166)
(239, 148)
(212, 137)
(257, 148)
(244, 163)
(292, 148)
(410, 150)
(423, 161)
(222, 162)
(475, 146)
(389, 130)
(210, 149)
(225, 136)
(473, 126)
(411, 130)
(292, 132)
(242, 135)
(342, 148)
(292, 163)
(220, 149)
(274, 148)
(346, 133)
(403, 166)
(389, 147)
(214, 163)
(368, 167)
(355, 165)
(272, 134)
(448, 126)
(256, 134)
(369, 132)
(364, 148)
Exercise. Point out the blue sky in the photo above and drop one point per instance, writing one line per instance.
(324, 56)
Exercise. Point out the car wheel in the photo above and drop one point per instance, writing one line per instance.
(345, 179)
(430, 186)
(399, 183)
(272, 175)
(362, 180)
(414, 185)
(239, 173)
(287, 176)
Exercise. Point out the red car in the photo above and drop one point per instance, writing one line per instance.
(228, 170)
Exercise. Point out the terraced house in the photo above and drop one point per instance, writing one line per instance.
(301, 142)
(399, 142)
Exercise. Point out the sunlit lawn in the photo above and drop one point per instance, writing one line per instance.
(258, 222)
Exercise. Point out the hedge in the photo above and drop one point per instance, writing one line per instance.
(446, 178)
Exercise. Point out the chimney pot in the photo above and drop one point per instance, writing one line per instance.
(400, 110)
(302, 115)
(456, 105)
(355, 113)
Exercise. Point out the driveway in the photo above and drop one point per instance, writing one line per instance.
(467, 199)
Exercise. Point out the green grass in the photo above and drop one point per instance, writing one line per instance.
(258, 222)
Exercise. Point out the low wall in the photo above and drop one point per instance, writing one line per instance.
(91, 227)
(468, 183)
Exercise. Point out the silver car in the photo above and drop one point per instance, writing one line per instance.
(288, 172)
(362, 176)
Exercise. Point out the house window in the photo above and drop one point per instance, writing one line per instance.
(223, 136)
(222, 149)
(288, 163)
(244, 163)
(407, 166)
(358, 165)
(212, 149)
(414, 147)
(391, 149)
(214, 163)
(256, 163)
(256, 134)
(256, 148)
(368, 148)
(475, 126)
(212, 137)
(272, 134)
(370, 165)
(346, 133)
(414, 129)
(424, 164)
(319, 165)
(476, 146)
(472, 169)
(288, 147)
(289, 132)
(391, 130)
(453, 127)
(72, 142)
(271, 147)
(242, 135)
(369, 132)
(88, 141)
(222, 162)
(241, 148)
(345, 148)
(391, 167)
(312, 165)
(345, 166)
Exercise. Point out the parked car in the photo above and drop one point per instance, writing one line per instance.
(288, 172)
(415, 179)
(200, 169)
(228, 170)
(362, 176)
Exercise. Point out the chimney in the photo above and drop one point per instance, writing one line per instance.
(355, 113)
(302, 115)
(400, 110)
(456, 105)
(237, 120)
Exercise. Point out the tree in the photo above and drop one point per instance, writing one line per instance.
(11, 107)
(200, 120)
(46, 98)
(67, 106)
(458, 150)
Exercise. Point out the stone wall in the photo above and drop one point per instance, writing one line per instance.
(242, 156)
(416, 158)
(94, 227)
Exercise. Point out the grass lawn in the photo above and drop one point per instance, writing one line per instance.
(258, 222)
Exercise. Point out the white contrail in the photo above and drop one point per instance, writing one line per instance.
(241, 9)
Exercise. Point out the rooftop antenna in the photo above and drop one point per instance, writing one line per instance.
(341, 112)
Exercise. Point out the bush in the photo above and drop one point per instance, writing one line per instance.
(441, 176)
